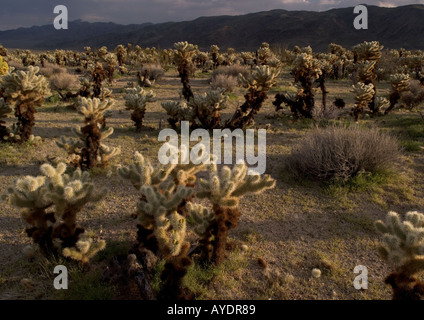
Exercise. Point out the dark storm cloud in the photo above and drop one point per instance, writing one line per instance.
(25, 13)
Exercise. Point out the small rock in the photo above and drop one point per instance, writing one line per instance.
(244, 247)
(316, 273)
(262, 263)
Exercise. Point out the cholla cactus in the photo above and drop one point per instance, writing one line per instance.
(183, 55)
(206, 108)
(366, 72)
(258, 83)
(400, 84)
(227, 187)
(368, 51)
(178, 111)
(5, 109)
(381, 103)
(66, 193)
(25, 90)
(88, 150)
(136, 99)
(214, 52)
(306, 70)
(363, 95)
(263, 54)
(111, 63)
(367, 55)
(98, 75)
(200, 217)
(404, 250)
(84, 250)
(3, 66)
(224, 190)
(121, 54)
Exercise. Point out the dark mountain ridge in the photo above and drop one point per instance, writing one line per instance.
(393, 27)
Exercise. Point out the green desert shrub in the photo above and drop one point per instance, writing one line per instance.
(340, 153)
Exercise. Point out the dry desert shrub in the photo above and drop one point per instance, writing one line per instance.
(415, 96)
(155, 71)
(340, 153)
(51, 69)
(232, 71)
(64, 81)
(224, 82)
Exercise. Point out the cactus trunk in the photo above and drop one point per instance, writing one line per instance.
(26, 120)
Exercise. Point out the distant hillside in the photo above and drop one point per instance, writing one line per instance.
(393, 27)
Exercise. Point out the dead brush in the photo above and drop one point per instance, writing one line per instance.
(341, 153)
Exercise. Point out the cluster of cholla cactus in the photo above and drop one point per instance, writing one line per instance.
(202, 110)
(307, 69)
(166, 205)
(258, 83)
(340, 59)
(403, 249)
(24, 90)
(50, 204)
(400, 83)
(183, 55)
(366, 56)
(162, 229)
(136, 100)
(88, 150)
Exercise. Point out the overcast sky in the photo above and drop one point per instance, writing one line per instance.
(26, 13)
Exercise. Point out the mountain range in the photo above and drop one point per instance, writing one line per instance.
(394, 27)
